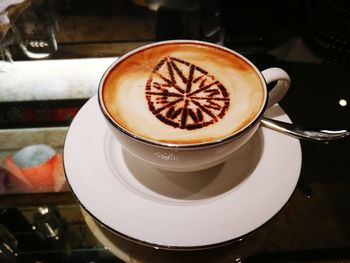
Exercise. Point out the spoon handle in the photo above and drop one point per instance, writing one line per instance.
(297, 132)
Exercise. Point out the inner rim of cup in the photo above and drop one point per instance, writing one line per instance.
(173, 145)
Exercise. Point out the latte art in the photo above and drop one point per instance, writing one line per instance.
(183, 93)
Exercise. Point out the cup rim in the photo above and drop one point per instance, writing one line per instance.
(139, 138)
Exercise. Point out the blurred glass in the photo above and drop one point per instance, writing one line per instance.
(47, 222)
(30, 32)
(35, 28)
(8, 243)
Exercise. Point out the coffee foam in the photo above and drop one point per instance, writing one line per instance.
(225, 93)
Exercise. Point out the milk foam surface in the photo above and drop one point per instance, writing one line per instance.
(183, 93)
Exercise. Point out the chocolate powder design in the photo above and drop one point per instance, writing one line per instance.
(185, 96)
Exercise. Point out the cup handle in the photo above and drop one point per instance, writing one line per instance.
(282, 86)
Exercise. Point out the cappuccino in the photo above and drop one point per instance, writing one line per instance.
(183, 93)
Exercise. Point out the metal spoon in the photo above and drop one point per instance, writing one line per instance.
(298, 132)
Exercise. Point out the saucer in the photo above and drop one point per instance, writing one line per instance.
(179, 210)
(129, 251)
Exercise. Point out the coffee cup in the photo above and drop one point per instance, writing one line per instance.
(186, 105)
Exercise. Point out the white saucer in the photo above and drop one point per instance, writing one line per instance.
(179, 211)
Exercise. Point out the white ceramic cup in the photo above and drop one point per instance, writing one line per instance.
(198, 156)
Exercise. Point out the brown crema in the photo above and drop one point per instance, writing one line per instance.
(183, 93)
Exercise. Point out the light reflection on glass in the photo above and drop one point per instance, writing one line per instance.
(343, 102)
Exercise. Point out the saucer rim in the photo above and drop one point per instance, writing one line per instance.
(163, 246)
(177, 248)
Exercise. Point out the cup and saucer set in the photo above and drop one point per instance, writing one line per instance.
(188, 210)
